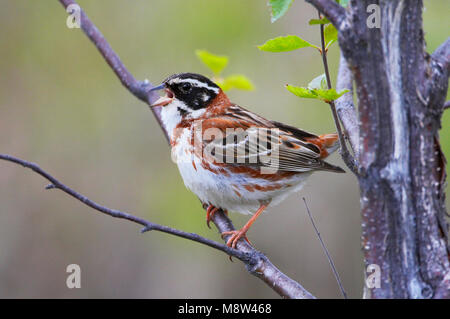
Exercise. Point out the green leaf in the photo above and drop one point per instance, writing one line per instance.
(215, 62)
(279, 8)
(301, 92)
(331, 35)
(329, 95)
(236, 81)
(285, 43)
(318, 94)
(319, 82)
(319, 21)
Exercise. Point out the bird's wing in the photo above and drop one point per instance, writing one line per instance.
(240, 137)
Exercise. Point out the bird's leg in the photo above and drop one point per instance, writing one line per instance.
(210, 211)
(241, 233)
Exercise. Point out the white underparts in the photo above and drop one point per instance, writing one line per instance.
(229, 190)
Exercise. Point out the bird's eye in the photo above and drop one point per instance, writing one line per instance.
(185, 88)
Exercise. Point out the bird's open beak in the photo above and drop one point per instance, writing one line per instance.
(163, 100)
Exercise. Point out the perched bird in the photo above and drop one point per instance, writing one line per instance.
(234, 159)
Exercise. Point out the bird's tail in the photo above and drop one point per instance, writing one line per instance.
(330, 142)
(327, 143)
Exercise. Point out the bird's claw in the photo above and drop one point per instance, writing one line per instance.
(235, 236)
(209, 214)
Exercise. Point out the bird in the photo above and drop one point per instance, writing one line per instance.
(231, 158)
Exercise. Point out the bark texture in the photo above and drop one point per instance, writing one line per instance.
(401, 93)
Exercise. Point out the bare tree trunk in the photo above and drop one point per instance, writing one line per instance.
(401, 93)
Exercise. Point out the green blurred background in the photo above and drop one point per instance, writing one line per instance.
(62, 107)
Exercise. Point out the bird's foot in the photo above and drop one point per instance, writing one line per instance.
(210, 211)
(235, 236)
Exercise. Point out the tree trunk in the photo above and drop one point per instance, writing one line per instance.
(401, 91)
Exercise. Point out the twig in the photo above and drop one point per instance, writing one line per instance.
(442, 55)
(330, 260)
(148, 226)
(435, 78)
(346, 156)
(447, 105)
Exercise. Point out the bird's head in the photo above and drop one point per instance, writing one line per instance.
(187, 94)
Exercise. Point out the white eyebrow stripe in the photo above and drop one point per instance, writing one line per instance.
(196, 83)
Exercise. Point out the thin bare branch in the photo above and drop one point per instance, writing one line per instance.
(330, 260)
(346, 155)
(442, 55)
(447, 105)
(56, 184)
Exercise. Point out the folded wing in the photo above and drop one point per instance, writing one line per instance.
(249, 139)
